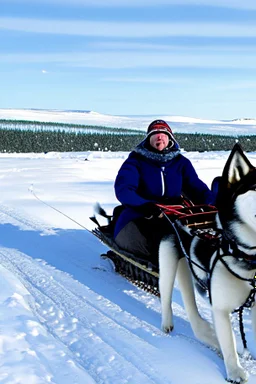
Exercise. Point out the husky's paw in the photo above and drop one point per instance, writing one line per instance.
(166, 328)
(167, 323)
(205, 333)
(237, 376)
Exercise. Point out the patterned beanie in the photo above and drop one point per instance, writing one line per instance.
(158, 126)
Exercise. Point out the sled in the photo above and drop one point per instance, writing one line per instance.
(192, 219)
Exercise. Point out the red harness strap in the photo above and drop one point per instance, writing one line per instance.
(172, 209)
(194, 216)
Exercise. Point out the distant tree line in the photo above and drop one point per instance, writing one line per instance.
(23, 140)
(49, 126)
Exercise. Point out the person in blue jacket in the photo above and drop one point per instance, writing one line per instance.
(154, 172)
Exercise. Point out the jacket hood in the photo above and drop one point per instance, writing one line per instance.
(144, 149)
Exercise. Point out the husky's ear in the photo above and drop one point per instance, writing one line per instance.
(237, 166)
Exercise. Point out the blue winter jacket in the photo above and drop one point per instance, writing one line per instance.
(147, 176)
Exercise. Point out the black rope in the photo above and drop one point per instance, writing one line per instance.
(241, 326)
(210, 275)
(251, 281)
(248, 303)
(181, 245)
(191, 262)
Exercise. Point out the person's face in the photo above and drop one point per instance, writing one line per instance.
(159, 141)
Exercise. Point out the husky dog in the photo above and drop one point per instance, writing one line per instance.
(231, 266)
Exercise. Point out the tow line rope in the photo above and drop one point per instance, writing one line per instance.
(57, 210)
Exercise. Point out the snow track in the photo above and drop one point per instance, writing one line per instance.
(55, 306)
(81, 321)
(67, 310)
(14, 217)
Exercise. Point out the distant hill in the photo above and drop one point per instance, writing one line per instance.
(181, 124)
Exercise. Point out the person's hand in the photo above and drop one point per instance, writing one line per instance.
(150, 210)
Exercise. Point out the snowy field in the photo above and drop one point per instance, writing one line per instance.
(66, 316)
(181, 124)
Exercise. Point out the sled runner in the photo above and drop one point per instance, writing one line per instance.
(187, 218)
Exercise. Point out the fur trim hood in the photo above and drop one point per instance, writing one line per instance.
(144, 149)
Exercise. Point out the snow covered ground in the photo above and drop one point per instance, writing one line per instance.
(179, 124)
(66, 316)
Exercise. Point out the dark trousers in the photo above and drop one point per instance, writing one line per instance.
(142, 237)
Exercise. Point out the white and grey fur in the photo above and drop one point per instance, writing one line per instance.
(237, 220)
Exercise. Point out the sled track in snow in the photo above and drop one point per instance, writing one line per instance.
(134, 272)
(30, 223)
(55, 305)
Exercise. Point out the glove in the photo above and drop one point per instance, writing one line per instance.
(150, 210)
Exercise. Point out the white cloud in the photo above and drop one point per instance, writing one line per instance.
(44, 71)
(246, 4)
(157, 80)
(128, 29)
(239, 85)
(137, 59)
(138, 46)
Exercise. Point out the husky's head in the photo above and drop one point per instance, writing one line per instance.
(236, 199)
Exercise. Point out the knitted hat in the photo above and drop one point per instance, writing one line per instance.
(158, 126)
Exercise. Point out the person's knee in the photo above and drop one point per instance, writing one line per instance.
(131, 239)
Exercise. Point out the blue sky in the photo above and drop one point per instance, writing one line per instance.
(130, 57)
